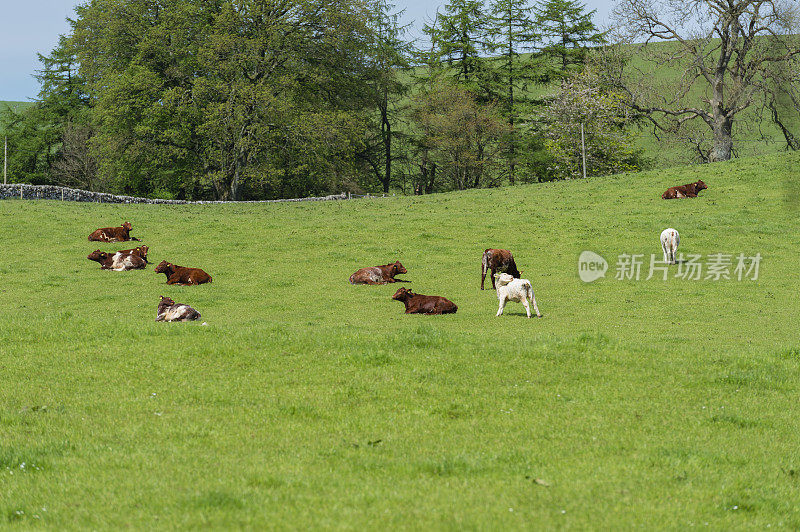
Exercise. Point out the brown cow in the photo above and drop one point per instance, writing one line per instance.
(420, 304)
(498, 260)
(684, 191)
(168, 310)
(140, 251)
(181, 274)
(117, 261)
(379, 274)
(113, 234)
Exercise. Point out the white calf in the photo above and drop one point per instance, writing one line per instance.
(669, 243)
(519, 290)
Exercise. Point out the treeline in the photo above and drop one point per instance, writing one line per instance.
(262, 99)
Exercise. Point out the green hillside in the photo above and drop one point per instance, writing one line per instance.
(310, 403)
(16, 106)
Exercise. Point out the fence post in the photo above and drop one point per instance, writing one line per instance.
(62, 193)
(5, 159)
(20, 191)
(583, 152)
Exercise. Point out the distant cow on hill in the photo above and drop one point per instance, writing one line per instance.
(684, 191)
(168, 310)
(117, 261)
(113, 234)
(670, 239)
(181, 274)
(420, 304)
(378, 274)
(498, 260)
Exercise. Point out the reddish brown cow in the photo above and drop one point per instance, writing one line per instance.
(140, 251)
(498, 260)
(684, 191)
(117, 261)
(378, 274)
(113, 234)
(420, 304)
(181, 274)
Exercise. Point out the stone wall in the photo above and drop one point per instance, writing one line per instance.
(23, 191)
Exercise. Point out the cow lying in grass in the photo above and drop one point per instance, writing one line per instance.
(168, 310)
(140, 251)
(113, 234)
(519, 290)
(684, 191)
(420, 304)
(182, 275)
(669, 244)
(378, 274)
(497, 260)
(118, 261)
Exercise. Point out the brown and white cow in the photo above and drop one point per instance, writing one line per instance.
(181, 274)
(498, 260)
(684, 191)
(379, 274)
(421, 304)
(140, 251)
(168, 310)
(117, 261)
(113, 234)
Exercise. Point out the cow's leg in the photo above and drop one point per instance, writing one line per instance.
(527, 307)
(535, 308)
(493, 286)
(666, 252)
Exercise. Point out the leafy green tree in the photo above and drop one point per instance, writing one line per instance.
(511, 31)
(458, 37)
(388, 56)
(610, 148)
(567, 30)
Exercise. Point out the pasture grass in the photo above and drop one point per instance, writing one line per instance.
(310, 403)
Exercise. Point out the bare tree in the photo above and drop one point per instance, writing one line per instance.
(724, 54)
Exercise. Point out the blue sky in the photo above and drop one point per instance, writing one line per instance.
(33, 26)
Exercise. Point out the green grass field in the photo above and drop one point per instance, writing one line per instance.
(310, 403)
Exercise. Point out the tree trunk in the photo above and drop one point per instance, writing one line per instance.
(723, 140)
(386, 131)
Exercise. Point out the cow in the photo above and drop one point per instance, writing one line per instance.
(181, 274)
(379, 274)
(684, 191)
(420, 304)
(140, 251)
(168, 310)
(113, 234)
(519, 290)
(669, 244)
(497, 260)
(117, 261)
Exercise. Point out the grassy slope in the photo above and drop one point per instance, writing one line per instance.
(646, 403)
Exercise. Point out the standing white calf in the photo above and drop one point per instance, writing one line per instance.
(669, 243)
(519, 290)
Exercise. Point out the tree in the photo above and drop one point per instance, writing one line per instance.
(606, 120)
(510, 31)
(566, 31)
(724, 53)
(458, 38)
(459, 136)
(388, 55)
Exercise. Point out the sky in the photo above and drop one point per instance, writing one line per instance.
(30, 27)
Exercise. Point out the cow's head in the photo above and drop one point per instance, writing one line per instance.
(700, 185)
(163, 267)
(398, 268)
(165, 301)
(503, 278)
(97, 255)
(402, 294)
(143, 251)
(127, 226)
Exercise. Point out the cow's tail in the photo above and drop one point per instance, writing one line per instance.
(485, 262)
